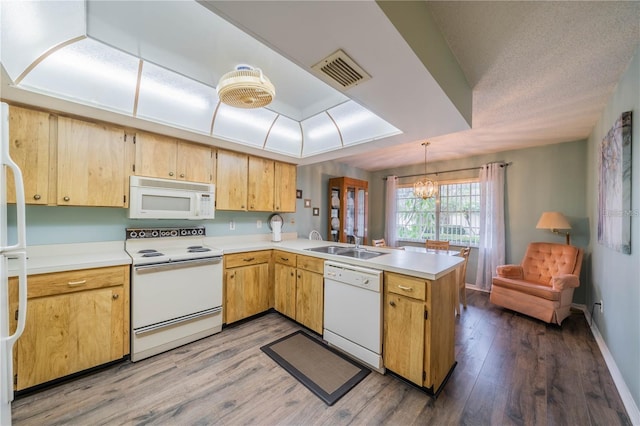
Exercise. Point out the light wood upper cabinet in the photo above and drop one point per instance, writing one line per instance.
(284, 187)
(231, 180)
(91, 162)
(168, 158)
(260, 184)
(29, 144)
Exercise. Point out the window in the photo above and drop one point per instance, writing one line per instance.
(452, 215)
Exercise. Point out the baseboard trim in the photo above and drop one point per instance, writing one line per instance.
(627, 399)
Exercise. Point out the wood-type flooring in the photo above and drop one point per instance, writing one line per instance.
(512, 370)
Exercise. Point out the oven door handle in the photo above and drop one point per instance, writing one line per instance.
(179, 264)
(190, 317)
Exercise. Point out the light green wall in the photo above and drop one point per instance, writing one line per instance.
(59, 225)
(551, 177)
(314, 181)
(614, 277)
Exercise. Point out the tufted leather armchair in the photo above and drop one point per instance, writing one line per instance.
(542, 285)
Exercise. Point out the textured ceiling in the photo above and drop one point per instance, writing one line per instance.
(541, 73)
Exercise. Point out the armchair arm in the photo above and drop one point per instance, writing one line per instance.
(510, 271)
(563, 281)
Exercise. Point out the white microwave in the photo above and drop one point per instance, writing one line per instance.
(153, 198)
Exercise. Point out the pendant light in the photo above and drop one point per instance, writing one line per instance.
(426, 189)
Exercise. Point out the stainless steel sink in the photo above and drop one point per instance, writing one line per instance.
(328, 249)
(347, 252)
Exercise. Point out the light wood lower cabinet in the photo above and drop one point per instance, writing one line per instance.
(419, 324)
(247, 284)
(299, 291)
(75, 320)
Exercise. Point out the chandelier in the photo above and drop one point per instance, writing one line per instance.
(426, 189)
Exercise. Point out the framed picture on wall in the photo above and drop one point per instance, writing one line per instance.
(316, 211)
(298, 193)
(614, 189)
(307, 203)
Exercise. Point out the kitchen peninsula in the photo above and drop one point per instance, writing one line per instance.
(419, 296)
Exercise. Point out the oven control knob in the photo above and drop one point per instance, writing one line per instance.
(200, 231)
(154, 233)
(174, 233)
(142, 234)
(133, 234)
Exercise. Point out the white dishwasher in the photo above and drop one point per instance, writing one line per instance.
(353, 311)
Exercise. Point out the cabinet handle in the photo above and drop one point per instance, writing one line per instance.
(286, 259)
(76, 283)
(115, 296)
(392, 303)
(249, 259)
(292, 274)
(242, 206)
(277, 207)
(181, 175)
(170, 173)
(36, 197)
(66, 198)
(401, 287)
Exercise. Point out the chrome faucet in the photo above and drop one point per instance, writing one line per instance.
(356, 239)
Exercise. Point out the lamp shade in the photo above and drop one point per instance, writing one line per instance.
(553, 220)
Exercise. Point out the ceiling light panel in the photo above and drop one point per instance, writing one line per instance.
(31, 28)
(285, 137)
(358, 124)
(171, 98)
(320, 135)
(88, 72)
(247, 126)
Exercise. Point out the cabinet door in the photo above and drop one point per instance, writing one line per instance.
(231, 181)
(260, 184)
(310, 300)
(91, 164)
(247, 291)
(69, 333)
(195, 162)
(156, 156)
(285, 290)
(29, 148)
(404, 336)
(284, 187)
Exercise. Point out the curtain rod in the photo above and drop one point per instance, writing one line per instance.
(447, 171)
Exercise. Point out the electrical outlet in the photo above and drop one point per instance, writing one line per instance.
(232, 225)
(601, 307)
(258, 224)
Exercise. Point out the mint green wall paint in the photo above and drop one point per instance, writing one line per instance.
(614, 277)
(314, 180)
(59, 225)
(551, 177)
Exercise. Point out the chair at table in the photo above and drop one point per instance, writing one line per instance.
(437, 245)
(462, 285)
(315, 235)
(378, 243)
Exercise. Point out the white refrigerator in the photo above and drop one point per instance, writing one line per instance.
(16, 252)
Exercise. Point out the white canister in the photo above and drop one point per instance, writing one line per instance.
(276, 231)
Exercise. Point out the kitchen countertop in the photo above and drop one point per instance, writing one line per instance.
(67, 257)
(424, 265)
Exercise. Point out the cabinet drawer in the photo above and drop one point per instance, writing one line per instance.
(284, 258)
(247, 258)
(406, 286)
(313, 264)
(70, 281)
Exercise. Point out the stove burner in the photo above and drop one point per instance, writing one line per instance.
(152, 254)
(197, 249)
(147, 251)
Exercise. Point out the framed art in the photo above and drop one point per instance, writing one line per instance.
(298, 193)
(307, 203)
(614, 189)
(316, 211)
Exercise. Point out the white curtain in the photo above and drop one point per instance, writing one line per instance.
(491, 251)
(390, 212)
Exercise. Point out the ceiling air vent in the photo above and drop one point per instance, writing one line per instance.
(341, 69)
